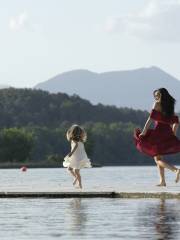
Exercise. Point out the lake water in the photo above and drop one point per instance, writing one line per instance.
(98, 218)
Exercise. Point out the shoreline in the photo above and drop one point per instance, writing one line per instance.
(18, 166)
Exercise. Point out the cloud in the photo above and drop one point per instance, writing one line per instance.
(159, 20)
(18, 22)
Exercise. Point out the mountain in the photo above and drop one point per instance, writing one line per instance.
(132, 88)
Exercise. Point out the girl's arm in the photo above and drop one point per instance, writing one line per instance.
(175, 128)
(146, 126)
(73, 150)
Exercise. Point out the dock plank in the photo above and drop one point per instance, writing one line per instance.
(81, 194)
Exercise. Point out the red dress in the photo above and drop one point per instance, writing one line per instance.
(160, 140)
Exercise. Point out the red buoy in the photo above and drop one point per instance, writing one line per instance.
(23, 168)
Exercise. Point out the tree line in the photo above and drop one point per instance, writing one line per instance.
(33, 124)
(28, 107)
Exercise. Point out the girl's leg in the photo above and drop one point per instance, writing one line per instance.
(77, 172)
(75, 181)
(161, 173)
(71, 171)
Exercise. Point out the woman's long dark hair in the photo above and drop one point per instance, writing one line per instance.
(167, 102)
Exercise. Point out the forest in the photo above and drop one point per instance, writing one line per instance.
(33, 124)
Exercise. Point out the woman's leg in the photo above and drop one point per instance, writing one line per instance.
(161, 173)
(77, 172)
(159, 160)
(161, 163)
(177, 176)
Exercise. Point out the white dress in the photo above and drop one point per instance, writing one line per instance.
(78, 159)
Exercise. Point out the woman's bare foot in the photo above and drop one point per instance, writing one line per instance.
(177, 176)
(162, 184)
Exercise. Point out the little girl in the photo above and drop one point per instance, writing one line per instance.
(77, 158)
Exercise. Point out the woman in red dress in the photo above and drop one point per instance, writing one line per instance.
(162, 139)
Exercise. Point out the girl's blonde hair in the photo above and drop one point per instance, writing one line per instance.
(76, 133)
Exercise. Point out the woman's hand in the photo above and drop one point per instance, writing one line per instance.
(146, 127)
(142, 134)
(175, 128)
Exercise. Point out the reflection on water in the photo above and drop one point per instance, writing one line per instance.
(76, 216)
(100, 218)
(162, 219)
(165, 217)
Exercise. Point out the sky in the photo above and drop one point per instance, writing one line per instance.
(43, 38)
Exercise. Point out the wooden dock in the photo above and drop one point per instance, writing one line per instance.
(81, 194)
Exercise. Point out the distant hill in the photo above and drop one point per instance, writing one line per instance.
(28, 107)
(131, 88)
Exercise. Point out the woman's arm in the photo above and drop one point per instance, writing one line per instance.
(146, 126)
(73, 150)
(175, 128)
(157, 107)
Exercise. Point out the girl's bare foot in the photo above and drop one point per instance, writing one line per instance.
(78, 187)
(75, 181)
(162, 184)
(177, 176)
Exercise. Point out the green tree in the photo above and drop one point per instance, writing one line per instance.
(15, 145)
